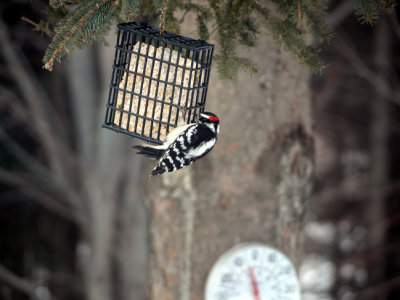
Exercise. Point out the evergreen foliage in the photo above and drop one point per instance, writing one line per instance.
(233, 22)
(368, 10)
(87, 22)
(42, 27)
(129, 9)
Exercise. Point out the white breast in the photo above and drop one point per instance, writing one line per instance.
(201, 149)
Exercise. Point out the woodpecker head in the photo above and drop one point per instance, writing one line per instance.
(208, 117)
(211, 120)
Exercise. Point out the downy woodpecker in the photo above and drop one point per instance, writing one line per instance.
(183, 145)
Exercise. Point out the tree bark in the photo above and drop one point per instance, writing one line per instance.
(379, 156)
(109, 177)
(252, 187)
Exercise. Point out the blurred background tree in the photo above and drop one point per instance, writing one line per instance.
(86, 233)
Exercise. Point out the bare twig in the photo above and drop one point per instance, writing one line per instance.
(31, 189)
(379, 138)
(29, 21)
(16, 282)
(40, 170)
(67, 280)
(344, 45)
(30, 162)
(19, 283)
(298, 10)
(341, 12)
(26, 158)
(51, 202)
(8, 97)
(325, 94)
(42, 27)
(36, 99)
(372, 292)
(187, 10)
(395, 24)
(50, 135)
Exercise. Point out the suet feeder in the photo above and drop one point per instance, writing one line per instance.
(159, 81)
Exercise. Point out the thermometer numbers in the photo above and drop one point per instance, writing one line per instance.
(253, 272)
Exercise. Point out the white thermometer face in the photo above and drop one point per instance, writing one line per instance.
(252, 272)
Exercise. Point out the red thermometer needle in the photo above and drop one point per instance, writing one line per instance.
(254, 285)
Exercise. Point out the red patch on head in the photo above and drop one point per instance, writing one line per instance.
(213, 118)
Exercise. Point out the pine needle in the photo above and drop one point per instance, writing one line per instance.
(63, 34)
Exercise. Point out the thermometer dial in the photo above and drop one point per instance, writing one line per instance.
(252, 271)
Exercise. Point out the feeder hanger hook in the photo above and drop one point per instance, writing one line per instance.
(163, 10)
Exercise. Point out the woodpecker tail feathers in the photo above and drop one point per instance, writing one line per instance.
(153, 152)
(157, 171)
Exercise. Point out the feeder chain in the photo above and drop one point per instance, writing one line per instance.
(163, 10)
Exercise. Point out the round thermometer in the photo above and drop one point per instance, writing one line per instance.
(252, 271)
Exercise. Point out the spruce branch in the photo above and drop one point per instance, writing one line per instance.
(367, 11)
(235, 23)
(245, 63)
(129, 9)
(203, 16)
(76, 26)
(289, 22)
(62, 3)
(202, 29)
(286, 33)
(248, 32)
(42, 26)
(319, 29)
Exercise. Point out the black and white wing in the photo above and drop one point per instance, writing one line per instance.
(156, 151)
(190, 145)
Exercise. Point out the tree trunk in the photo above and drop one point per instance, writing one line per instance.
(252, 187)
(114, 249)
(379, 157)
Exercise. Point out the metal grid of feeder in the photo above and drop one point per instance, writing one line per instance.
(158, 81)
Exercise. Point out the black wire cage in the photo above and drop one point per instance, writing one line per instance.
(159, 81)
